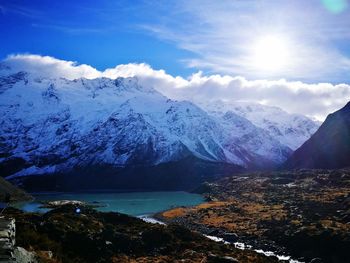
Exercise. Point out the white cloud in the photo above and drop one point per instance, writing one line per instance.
(222, 36)
(50, 67)
(145, 74)
(314, 100)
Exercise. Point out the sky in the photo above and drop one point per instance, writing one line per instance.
(288, 53)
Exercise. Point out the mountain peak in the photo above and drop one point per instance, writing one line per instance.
(329, 147)
(346, 107)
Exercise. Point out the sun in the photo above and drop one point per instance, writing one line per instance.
(270, 53)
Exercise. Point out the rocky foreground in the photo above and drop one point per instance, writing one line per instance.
(66, 234)
(305, 213)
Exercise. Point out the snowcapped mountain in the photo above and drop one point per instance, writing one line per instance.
(58, 126)
(291, 130)
(241, 131)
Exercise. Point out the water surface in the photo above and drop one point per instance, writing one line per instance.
(134, 203)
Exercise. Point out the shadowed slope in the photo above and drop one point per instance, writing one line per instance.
(329, 147)
(14, 193)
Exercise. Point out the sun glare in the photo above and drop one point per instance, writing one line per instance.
(270, 53)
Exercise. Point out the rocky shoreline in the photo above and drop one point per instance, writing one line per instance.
(304, 214)
(65, 235)
(10, 193)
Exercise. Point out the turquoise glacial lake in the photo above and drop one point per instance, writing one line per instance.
(133, 203)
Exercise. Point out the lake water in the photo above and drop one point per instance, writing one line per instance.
(135, 204)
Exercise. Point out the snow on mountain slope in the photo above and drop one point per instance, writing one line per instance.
(55, 125)
(291, 130)
(243, 132)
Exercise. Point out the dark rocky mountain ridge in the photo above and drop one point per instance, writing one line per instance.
(329, 147)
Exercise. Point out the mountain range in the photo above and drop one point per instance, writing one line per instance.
(59, 133)
(329, 147)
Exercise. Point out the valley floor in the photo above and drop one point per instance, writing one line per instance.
(305, 213)
(62, 235)
(302, 215)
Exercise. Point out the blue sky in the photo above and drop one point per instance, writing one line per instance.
(102, 35)
(310, 38)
